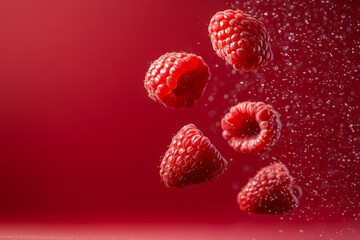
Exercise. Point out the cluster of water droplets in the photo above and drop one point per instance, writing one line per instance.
(313, 81)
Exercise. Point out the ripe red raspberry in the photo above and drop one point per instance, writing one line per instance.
(191, 159)
(240, 39)
(251, 127)
(177, 79)
(271, 191)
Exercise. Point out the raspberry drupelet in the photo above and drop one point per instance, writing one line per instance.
(177, 80)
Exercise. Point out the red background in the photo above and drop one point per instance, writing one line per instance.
(81, 141)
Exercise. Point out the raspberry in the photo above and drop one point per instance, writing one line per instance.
(271, 191)
(177, 80)
(240, 39)
(251, 127)
(191, 159)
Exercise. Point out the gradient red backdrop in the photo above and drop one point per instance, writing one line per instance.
(80, 141)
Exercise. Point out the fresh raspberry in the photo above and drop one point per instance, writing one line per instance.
(177, 80)
(251, 127)
(191, 159)
(271, 191)
(240, 39)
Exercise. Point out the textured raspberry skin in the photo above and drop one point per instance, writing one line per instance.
(251, 127)
(191, 159)
(271, 191)
(240, 39)
(177, 80)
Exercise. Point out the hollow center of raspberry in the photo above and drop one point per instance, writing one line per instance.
(249, 128)
(184, 84)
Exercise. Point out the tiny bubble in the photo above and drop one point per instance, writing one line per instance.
(246, 168)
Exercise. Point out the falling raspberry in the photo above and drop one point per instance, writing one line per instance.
(191, 159)
(251, 127)
(177, 80)
(240, 39)
(271, 191)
